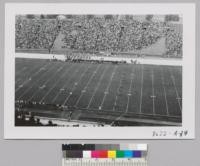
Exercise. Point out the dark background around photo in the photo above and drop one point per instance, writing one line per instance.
(48, 152)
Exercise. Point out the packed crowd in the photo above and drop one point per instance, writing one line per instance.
(95, 34)
(174, 43)
(100, 34)
(35, 33)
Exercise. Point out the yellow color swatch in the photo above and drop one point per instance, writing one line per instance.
(111, 154)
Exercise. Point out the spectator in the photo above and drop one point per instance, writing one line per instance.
(89, 33)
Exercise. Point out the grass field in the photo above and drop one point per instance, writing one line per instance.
(133, 90)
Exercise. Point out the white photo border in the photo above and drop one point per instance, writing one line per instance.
(187, 10)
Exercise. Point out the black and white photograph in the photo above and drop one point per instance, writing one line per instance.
(86, 69)
(99, 70)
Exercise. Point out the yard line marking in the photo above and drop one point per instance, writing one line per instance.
(16, 82)
(25, 78)
(129, 92)
(130, 89)
(116, 97)
(35, 68)
(97, 87)
(28, 89)
(61, 78)
(75, 85)
(58, 70)
(30, 78)
(108, 87)
(84, 89)
(174, 83)
(142, 79)
(64, 85)
(162, 77)
(153, 95)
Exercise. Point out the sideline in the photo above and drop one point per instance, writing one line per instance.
(140, 60)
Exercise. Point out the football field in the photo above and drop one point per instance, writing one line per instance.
(134, 90)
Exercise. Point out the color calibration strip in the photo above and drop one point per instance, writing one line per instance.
(104, 151)
(104, 155)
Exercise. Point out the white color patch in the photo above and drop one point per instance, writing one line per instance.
(87, 154)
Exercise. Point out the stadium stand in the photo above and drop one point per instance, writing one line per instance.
(89, 33)
(35, 33)
(116, 78)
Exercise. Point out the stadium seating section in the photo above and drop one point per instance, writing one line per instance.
(91, 33)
